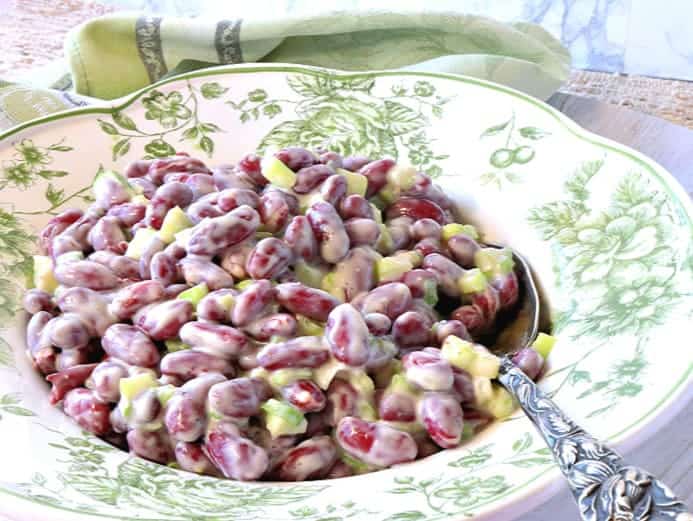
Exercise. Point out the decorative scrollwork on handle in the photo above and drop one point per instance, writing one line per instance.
(605, 488)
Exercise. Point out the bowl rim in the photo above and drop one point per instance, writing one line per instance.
(546, 483)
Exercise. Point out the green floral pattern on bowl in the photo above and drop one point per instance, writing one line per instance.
(608, 232)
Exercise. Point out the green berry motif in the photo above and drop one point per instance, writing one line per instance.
(502, 158)
(523, 154)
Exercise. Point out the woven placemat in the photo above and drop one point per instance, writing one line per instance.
(32, 32)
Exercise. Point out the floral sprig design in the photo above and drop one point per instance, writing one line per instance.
(173, 112)
(16, 245)
(29, 164)
(345, 115)
(9, 404)
(516, 149)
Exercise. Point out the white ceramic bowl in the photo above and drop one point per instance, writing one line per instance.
(607, 230)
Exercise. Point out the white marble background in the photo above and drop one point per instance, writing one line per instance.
(645, 37)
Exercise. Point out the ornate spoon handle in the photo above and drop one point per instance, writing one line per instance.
(605, 488)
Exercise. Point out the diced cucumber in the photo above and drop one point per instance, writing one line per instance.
(283, 377)
(412, 257)
(226, 302)
(399, 384)
(366, 411)
(392, 268)
(361, 382)
(327, 372)
(389, 194)
(165, 393)
(243, 284)
(401, 176)
(377, 214)
(195, 294)
(494, 261)
(308, 327)
(384, 244)
(473, 358)
(282, 419)
(329, 284)
(543, 344)
(44, 279)
(132, 386)
(139, 242)
(472, 281)
(357, 184)
(308, 274)
(278, 173)
(175, 221)
(452, 229)
(175, 345)
(358, 466)
(430, 292)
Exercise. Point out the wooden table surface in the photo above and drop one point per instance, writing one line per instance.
(668, 452)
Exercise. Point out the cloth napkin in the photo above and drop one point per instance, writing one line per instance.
(112, 56)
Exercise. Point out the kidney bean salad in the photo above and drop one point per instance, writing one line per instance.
(299, 317)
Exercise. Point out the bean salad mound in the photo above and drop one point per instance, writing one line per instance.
(300, 316)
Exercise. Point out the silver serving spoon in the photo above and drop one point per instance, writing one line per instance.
(604, 486)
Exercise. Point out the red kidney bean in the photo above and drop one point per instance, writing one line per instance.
(36, 300)
(252, 301)
(362, 231)
(145, 408)
(424, 188)
(296, 158)
(130, 299)
(397, 407)
(340, 470)
(488, 302)
(390, 299)
(86, 274)
(74, 237)
(355, 206)
(104, 380)
(67, 380)
(189, 363)
(331, 159)
(425, 228)
(355, 163)
(174, 290)
(185, 417)
(120, 426)
(233, 259)
(34, 331)
(56, 226)
(400, 232)
(217, 339)
(228, 176)
(311, 459)
(123, 267)
(163, 321)
(67, 331)
(463, 387)
(304, 300)
(109, 191)
(92, 308)
(68, 358)
(341, 401)
(428, 370)
(446, 271)
(45, 360)
(300, 238)
(329, 231)
(274, 210)
(237, 457)
(197, 270)
(382, 350)
(203, 208)
(212, 236)
(347, 334)
(89, 413)
(463, 249)
(177, 163)
(356, 272)
(234, 197)
(472, 317)
(164, 269)
(177, 177)
(143, 185)
(237, 398)
(507, 288)
(130, 345)
(442, 416)
(375, 443)
(154, 246)
(411, 329)
(302, 351)
(445, 328)
(250, 166)
(212, 307)
(107, 235)
(333, 189)
(127, 214)
(418, 281)
(138, 168)
(529, 361)
(376, 173)
(191, 457)
(416, 209)
(310, 177)
(151, 445)
(378, 324)
(200, 184)
(277, 324)
(269, 259)
(305, 396)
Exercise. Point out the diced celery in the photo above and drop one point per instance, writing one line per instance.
(377, 214)
(494, 261)
(501, 404)
(243, 284)
(277, 339)
(260, 373)
(400, 384)
(358, 466)
(391, 268)
(105, 177)
(485, 364)
(194, 294)
(165, 393)
(69, 256)
(389, 194)
(329, 284)
(378, 202)
(483, 391)
(139, 198)
(175, 345)
(226, 302)
(263, 235)
(308, 274)
(403, 177)
(139, 242)
(282, 419)
(430, 292)
(44, 279)
(361, 382)
(473, 358)
(452, 229)
(283, 377)
(327, 372)
(366, 411)
(357, 184)
(543, 344)
(130, 387)
(308, 327)
(278, 173)
(472, 281)
(385, 244)
(175, 221)
(383, 376)
(412, 257)
(468, 431)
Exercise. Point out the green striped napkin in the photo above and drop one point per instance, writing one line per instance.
(111, 56)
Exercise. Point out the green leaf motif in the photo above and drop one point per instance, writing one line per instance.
(190, 133)
(467, 492)
(207, 145)
(108, 128)
(49, 174)
(124, 121)
(16, 410)
(532, 133)
(9, 399)
(408, 515)
(6, 357)
(523, 443)
(401, 119)
(495, 129)
(99, 488)
(311, 86)
(474, 458)
(53, 195)
(121, 148)
(159, 148)
(212, 90)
